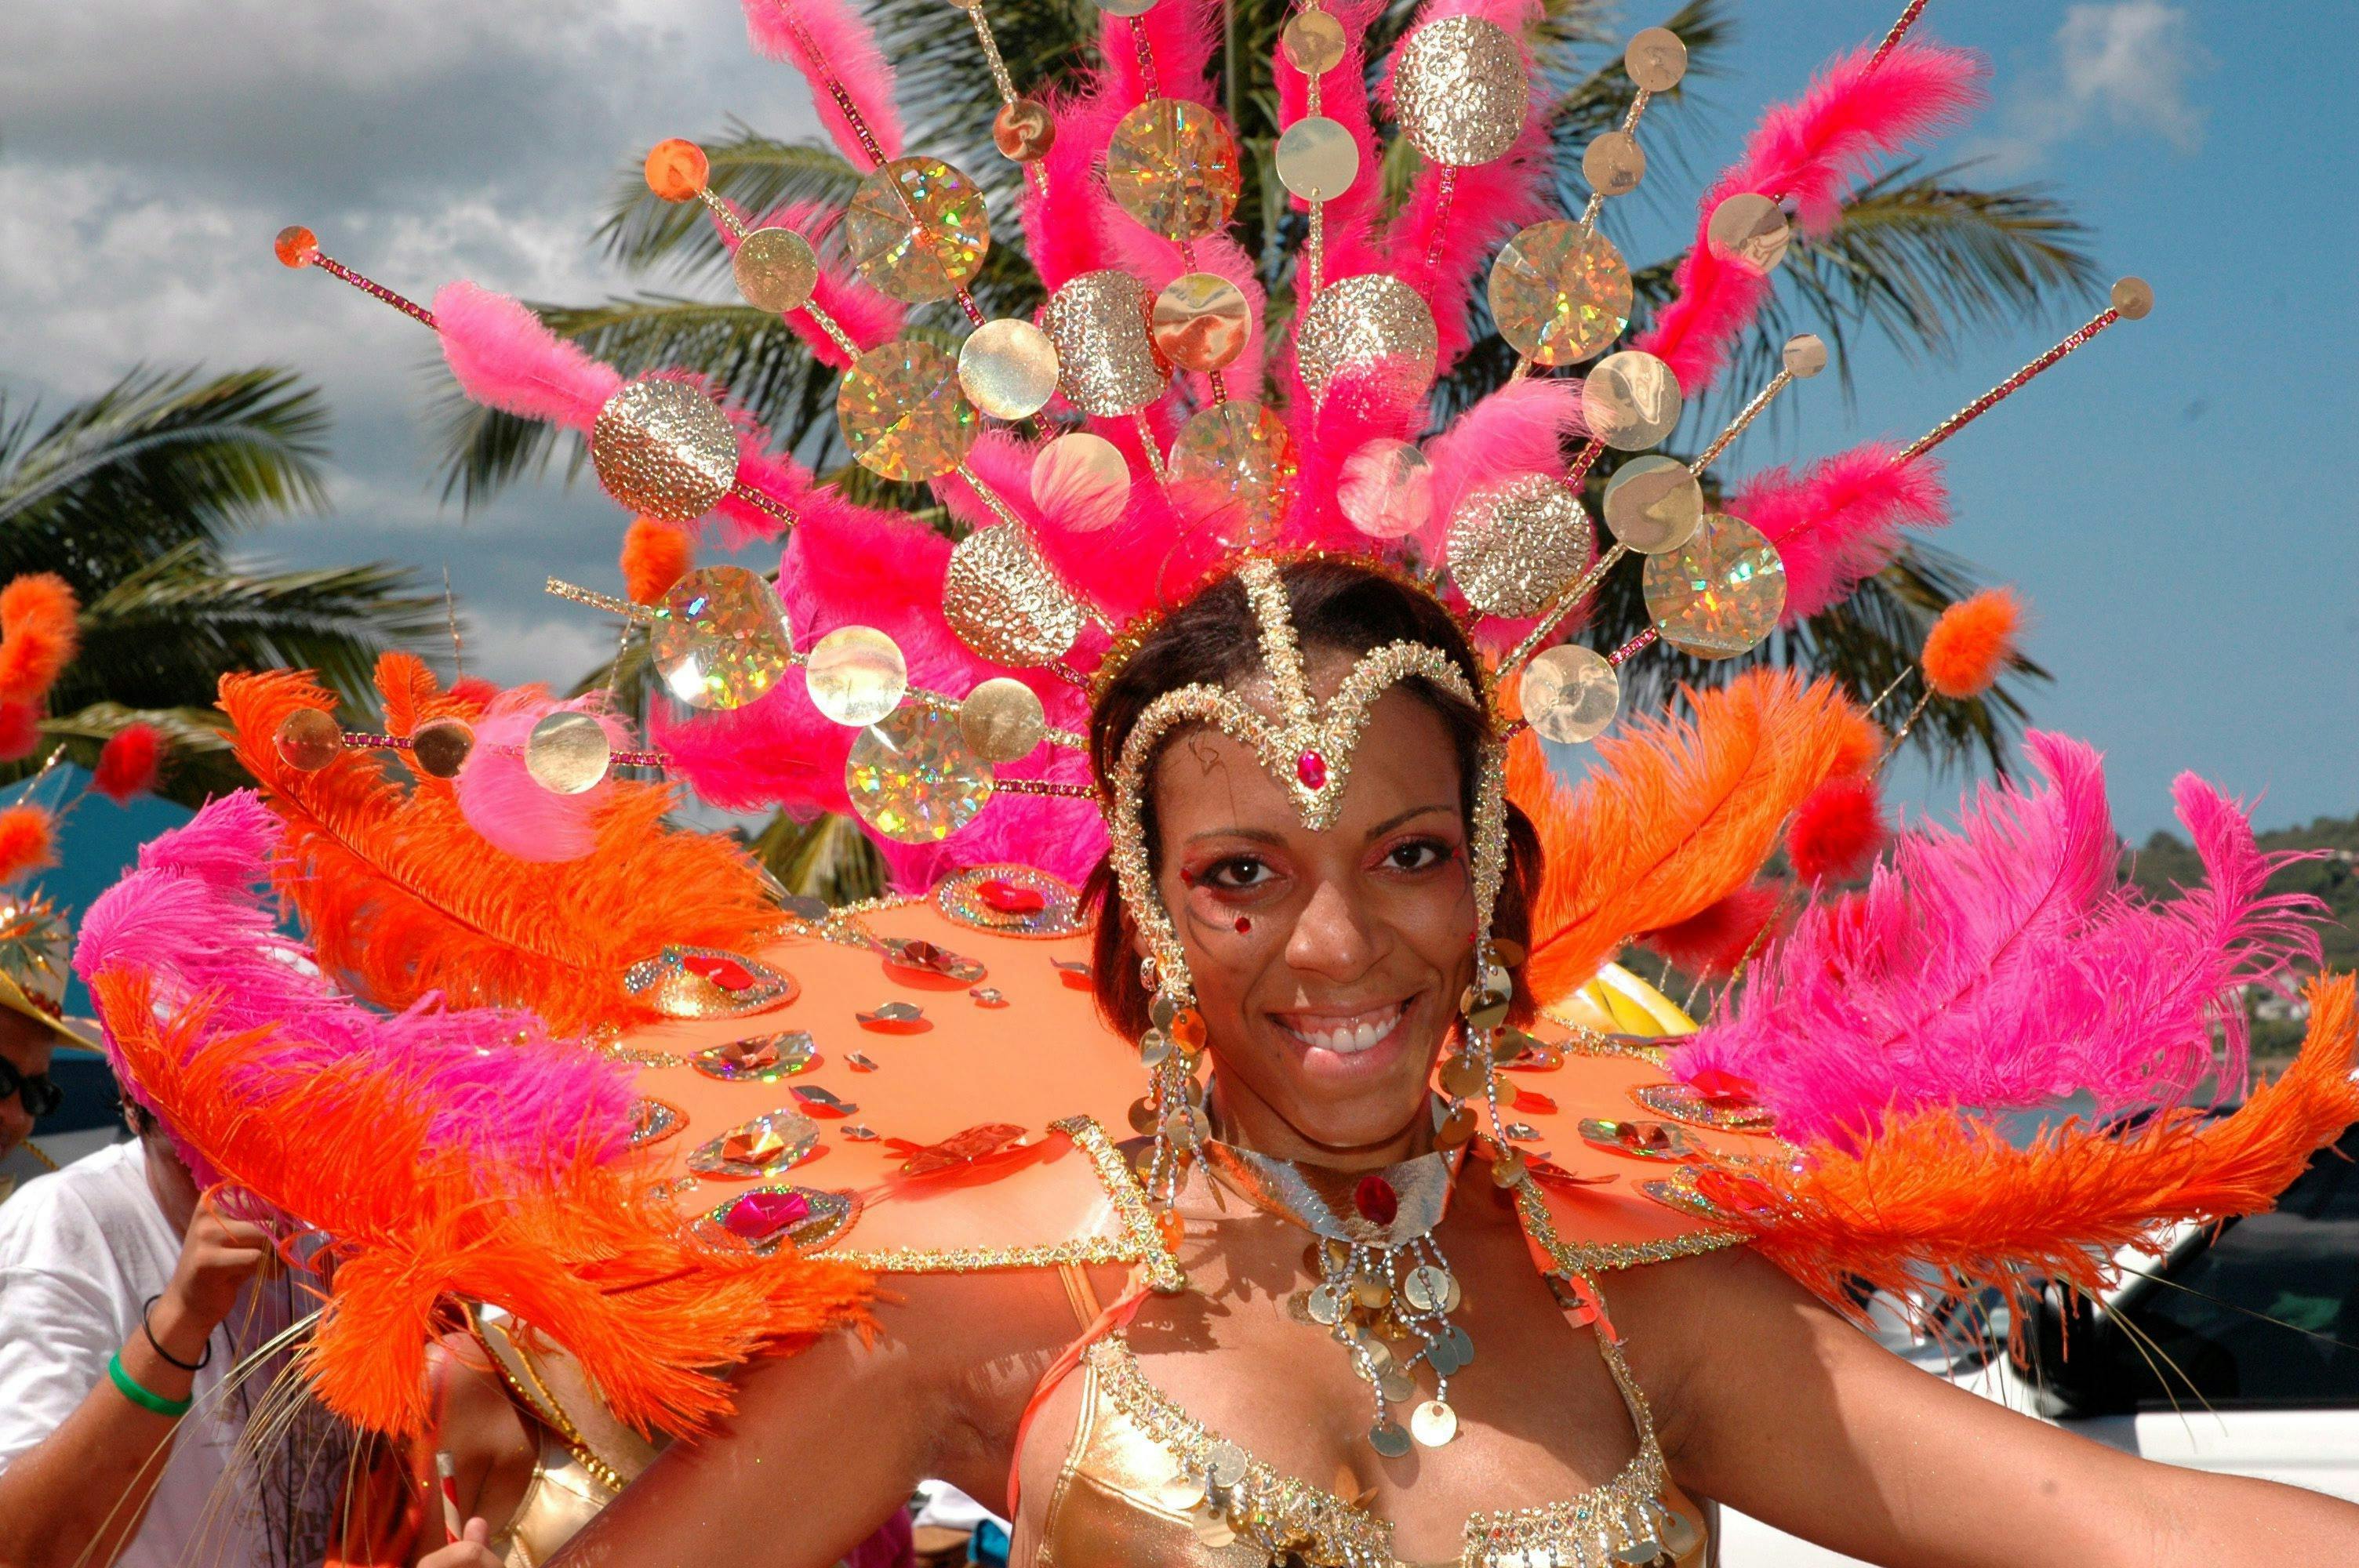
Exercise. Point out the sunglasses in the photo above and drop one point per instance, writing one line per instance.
(42, 1094)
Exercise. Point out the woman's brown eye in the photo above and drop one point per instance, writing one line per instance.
(1236, 875)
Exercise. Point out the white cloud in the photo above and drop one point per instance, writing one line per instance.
(2125, 67)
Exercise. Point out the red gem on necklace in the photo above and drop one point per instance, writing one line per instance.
(1311, 769)
(1010, 898)
(1375, 1200)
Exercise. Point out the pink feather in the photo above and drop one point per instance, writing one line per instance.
(1343, 100)
(830, 44)
(1812, 150)
(1839, 522)
(2006, 964)
(1519, 429)
(506, 359)
(507, 805)
(191, 916)
(867, 316)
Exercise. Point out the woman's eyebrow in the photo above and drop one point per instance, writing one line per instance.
(1253, 834)
(1412, 815)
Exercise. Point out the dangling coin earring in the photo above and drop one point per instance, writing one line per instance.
(1174, 1107)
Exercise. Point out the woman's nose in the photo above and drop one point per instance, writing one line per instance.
(1330, 936)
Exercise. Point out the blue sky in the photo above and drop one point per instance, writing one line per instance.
(2174, 501)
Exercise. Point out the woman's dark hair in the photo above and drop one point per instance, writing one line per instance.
(1338, 606)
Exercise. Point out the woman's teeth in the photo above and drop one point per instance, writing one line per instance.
(1359, 1032)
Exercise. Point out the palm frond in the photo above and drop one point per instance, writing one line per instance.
(198, 763)
(158, 460)
(826, 856)
(757, 172)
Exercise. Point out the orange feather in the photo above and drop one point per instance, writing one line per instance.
(653, 1317)
(1678, 815)
(1936, 1189)
(401, 897)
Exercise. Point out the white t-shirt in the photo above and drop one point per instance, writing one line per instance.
(80, 1251)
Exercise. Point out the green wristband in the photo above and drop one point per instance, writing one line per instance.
(146, 1399)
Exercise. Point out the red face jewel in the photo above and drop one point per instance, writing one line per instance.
(1375, 1200)
(1243, 925)
(1010, 898)
(758, 1216)
(726, 973)
(1311, 769)
(1723, 1087)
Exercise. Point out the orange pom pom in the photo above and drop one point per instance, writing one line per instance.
(128, 762)
(654, 556)
(1859, 741)
(1972, 642)
(27, 843)
(39, 631)
(677, 169)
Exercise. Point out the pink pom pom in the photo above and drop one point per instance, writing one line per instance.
(507, 805)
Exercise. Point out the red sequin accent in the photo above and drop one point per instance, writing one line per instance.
(726, 973)
(1010, 898)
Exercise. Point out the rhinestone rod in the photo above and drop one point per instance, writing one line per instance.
(1007, 514)
(1000, 78)
(1899, 31)
(1745, 416)
(2013, 383)
(1566, 602)
(299, 248)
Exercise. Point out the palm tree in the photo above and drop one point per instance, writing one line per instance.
(1923, 258)
(130, 496)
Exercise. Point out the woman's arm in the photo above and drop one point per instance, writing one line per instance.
(1774, 1405)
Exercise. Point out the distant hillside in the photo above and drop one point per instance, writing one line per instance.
(2164, 861)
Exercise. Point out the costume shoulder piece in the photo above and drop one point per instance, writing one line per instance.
(542, 1050)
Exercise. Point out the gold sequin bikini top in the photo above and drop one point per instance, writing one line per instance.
(1147, 1485)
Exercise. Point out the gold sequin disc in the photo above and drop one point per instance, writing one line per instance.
(1002, 719)
(2132, 296)
(1002, 599)
(1748, 229)
(1631, 400)
(1126, 7)
(913, 778)
(1656, 60)
(1023, 131)
(1433, 1424)
(1106, 360)
(1570, 694)
(309, 739)
(1317, 159)
(1173, 166)
(1362, 321)
(664, 449)
(1460, 91)
(1084, 479)
(1805, 354)
(1201, 321)
(856, 675)
(1313, 42)
(440, 747)
(1232, 471)
(1719, 594)
(567, 752)
(723, 640)
(1558, 295)
(774, 269)
(1653, 504)
(1387, 489)
(1513, 546)
(1008, 368)
(903, 412)
(917, 229)
(1614, 164)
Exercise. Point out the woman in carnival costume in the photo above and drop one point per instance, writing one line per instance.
(1210, 754)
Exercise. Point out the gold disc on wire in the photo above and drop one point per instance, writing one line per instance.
(1653, 504)
(308, 740)
(568, 753)
(1559, 295)
(1313, 42)
(1614, 164)
(1002, 601)
(1804, 355)
(1003, 719)
(1656, 60)
(1720, 593)
(1083, 479)
(1460, 91)
(664, 449)
(903, 412)
(440, 747)
(1570, 694)
(1363, 320)
(1317, 159)
(1023, 131)
(775, 270)
(1173, 166)
(1106, 360)
(1748, 229)
(1387, 489)
(2133, 298)
(1631, 400)
(913, 778)
(1232, 469)
(1008, 368)
(855, 676)
(917, 229)
(1515, 546)
(723, 638)
(1201, 321)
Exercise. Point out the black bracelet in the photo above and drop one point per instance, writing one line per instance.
(149, 1305)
